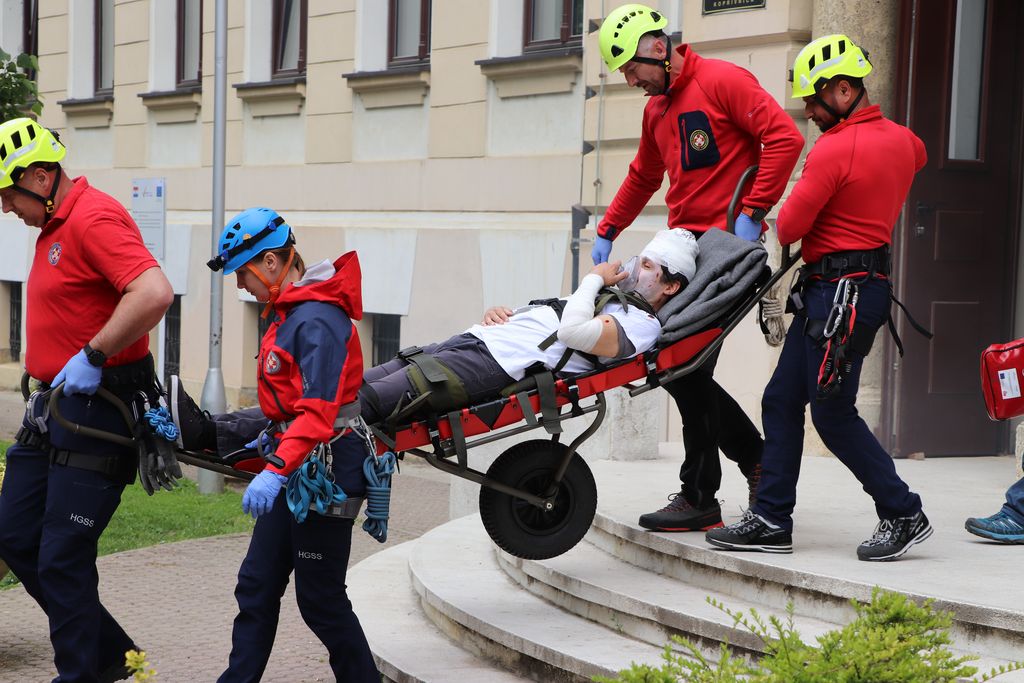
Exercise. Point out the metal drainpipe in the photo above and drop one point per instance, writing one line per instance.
(213, 399)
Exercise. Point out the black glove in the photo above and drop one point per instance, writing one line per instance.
(158, 465)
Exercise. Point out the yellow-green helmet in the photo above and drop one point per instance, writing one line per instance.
(622, 30)
(825, 58)
(24, 142)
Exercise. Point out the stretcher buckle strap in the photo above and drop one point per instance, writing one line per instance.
(548, 403)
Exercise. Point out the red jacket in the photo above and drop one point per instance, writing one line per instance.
(705, 132)
(310, 362)
(854, 184)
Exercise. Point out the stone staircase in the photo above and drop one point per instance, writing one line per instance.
(451, 607)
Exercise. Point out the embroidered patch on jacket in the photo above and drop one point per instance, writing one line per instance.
(273, 364)
(54, 253)
(699, 140)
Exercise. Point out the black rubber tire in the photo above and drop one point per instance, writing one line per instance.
(524, 530)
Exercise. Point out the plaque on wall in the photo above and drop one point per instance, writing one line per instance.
(719, 6)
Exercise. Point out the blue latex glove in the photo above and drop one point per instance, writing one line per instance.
(602, 250)
(747, 228)
(261, 493)
(79, 376)
(266, 442)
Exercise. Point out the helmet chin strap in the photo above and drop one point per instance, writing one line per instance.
(664, 63)
(275, 288)
(839, 118)
(47, 202)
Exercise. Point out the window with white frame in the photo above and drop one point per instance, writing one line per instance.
(289, 32)
(552, 23)
(408, 32)
(103, 47)
(190, 43)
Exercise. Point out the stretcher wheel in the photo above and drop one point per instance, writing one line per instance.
(523, 529)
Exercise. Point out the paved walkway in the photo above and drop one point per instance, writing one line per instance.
(176, 600)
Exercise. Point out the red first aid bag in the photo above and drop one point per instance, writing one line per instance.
(1002, 379)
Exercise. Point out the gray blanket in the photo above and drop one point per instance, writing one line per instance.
(727, 268)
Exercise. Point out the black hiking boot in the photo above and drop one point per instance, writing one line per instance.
(679, 515)
(752, 532)
(894, 537)
(189, 419)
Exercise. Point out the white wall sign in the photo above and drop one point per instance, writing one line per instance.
(149, 209)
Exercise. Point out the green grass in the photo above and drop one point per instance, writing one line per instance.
(165, 517)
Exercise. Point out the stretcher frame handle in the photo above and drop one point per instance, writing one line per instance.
(183, 456)
(730, 214)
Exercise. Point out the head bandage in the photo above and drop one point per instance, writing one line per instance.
(676, 249)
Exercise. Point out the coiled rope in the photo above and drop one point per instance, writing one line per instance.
(159, 420)
(378, 471)
(312, 486)
(771, 313)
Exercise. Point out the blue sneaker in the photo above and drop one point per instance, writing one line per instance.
(999, 527)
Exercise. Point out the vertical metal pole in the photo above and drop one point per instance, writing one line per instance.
(213, 398)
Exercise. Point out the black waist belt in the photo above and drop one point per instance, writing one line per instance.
(130, 376)
(111, 466)
(840, 263)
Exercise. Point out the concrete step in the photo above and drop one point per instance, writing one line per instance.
(597, 586)
(408, 647)
(975, 581)
(651, 607)
(465, 592)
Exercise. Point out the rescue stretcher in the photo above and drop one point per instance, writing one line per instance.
(538, 498)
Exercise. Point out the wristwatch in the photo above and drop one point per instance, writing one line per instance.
(756, 214)
(95, 357)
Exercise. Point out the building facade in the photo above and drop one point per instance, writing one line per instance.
(447, 140)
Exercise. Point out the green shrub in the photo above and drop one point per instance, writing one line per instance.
(19, 94)
(892, 639)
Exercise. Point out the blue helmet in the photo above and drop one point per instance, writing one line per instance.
(248, 235)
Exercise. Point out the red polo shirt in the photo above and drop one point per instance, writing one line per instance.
(85, 256)
(854, 183)
(714, 122)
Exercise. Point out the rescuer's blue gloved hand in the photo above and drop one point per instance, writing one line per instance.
(747, 228)
(602, 249)
(254, 444)
(261, 493)
(79, 376)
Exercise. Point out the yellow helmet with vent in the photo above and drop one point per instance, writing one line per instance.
(622, 29)
(825, 58)
(24, 142)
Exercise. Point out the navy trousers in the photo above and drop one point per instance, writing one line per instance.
(712, 420)
(51, 518)
(317, 551)
(836, 420)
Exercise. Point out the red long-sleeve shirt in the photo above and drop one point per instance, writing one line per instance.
(854, 183)
(715, 121)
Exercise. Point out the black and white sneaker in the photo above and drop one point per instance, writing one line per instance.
(894, 537)
(754, 533)
(187, 416)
